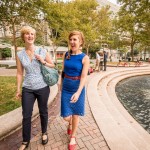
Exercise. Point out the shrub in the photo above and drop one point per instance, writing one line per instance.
(6, 52)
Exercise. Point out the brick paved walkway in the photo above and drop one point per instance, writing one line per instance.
(89, 136)
(7, 72)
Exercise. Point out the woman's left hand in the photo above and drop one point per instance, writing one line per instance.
(39, 57)
(75, 97)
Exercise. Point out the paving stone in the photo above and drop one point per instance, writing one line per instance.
(33, 145)
(87, 138)
(56, 144)
(47, 148)
(40, 147)
(104, 148)
(63, 147)
(89, 145)
(80, 143)
(102, 144)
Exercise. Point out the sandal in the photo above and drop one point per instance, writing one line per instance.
(44, 141)
(24, 145)
(72, 146)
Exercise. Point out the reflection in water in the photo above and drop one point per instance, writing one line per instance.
(134, 94)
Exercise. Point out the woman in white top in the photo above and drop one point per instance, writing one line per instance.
(33, 86)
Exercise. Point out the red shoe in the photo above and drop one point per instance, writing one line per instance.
(72, 146)
(69, 131)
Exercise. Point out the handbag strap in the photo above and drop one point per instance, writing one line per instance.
(40, 50)
(39, 54)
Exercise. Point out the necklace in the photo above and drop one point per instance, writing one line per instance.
(30, 54)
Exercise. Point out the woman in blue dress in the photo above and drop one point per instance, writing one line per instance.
(75, 70)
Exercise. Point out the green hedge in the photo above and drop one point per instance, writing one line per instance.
(6, 52)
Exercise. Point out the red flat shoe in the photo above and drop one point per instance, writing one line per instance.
(69, 131)
(72, 146)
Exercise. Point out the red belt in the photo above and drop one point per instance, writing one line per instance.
(73, 78)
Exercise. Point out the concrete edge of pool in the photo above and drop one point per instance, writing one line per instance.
(120, 130)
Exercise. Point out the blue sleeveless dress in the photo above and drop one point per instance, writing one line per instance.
(72, 67)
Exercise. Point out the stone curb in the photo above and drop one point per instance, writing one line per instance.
(11, 121)
(108, 117)
(111, 89)
(145, 65)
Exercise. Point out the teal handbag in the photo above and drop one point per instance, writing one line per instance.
(50, 75)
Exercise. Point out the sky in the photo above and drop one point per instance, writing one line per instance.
(113, 1)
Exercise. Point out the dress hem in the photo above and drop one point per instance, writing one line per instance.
(71, 115)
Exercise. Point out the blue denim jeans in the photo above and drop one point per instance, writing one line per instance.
(28, 98)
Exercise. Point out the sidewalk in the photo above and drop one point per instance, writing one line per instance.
(89, 136)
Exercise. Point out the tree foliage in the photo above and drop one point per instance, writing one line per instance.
(79, 15)
(6, 52)
(134, 19)
(14, 14)
(60, 18)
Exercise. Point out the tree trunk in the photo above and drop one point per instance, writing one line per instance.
(132, 54)
(110, 54)
(87, 49)
(132, 46)
(145, 53)
(55, 56)
(14, 40)
(55, 53)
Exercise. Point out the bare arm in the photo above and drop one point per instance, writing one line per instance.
(62, 70)
(84, 73)
(63, 58)
(47, 62)
(85, 62)
(20, 71)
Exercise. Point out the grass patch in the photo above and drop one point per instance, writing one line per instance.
(8, 102)
(8, 67)
(59, 58)
(12, 67)
(4, 65)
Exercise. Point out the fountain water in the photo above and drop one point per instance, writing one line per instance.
(134, 94)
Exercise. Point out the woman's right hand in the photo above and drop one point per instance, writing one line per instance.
(18, 95)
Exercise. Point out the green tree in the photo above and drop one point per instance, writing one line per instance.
(105, 26)
(134, 20)
(14, 14)
(60, 22)
(6, 52)
(75, 15)
(88, 18)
